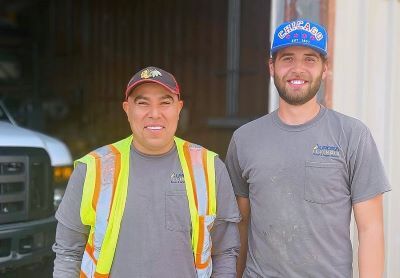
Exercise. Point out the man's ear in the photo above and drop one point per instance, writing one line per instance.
(125, 106)
(325, 69)
(271, 67)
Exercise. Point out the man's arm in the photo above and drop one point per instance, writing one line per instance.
(369, 219)
(69, 248)
(225, 248)
(225, 234)
(241, 189)
(244, 208)
(71, 234)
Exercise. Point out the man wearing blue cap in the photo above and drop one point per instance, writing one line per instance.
(299, 171)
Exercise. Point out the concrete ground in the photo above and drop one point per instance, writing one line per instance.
(44, 270)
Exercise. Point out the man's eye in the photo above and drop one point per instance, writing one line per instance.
(166, 102)
(141, 103)
(287, 59)
(310, 59)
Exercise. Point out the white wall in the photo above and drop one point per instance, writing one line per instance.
(366, 85)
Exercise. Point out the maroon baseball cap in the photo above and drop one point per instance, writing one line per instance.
(156, 75)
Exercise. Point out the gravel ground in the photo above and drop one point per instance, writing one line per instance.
(44, 270)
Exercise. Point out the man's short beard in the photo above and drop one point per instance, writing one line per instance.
(297, 100)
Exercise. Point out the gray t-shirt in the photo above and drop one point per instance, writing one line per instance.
(302, 181)
(155, 235)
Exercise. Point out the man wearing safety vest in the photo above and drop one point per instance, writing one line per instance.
(152, 204)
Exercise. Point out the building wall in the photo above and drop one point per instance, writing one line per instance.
(88, 50)
(366, 85)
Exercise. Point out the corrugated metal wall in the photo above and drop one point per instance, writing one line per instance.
(89, 50)
(366, 86)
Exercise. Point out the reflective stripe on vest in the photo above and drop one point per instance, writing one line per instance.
(103, 203)
(199, 173)
(104, 197)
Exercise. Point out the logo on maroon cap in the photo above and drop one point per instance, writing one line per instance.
(149, 73)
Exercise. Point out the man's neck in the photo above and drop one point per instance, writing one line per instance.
(298, 114)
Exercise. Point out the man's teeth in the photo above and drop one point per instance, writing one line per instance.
(154, 127)
(297, 82)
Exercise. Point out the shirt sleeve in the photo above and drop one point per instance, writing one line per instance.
(240, 185)
(68, 212)
(69, 248)
(225, 234)
(71, 234)
(367, 175)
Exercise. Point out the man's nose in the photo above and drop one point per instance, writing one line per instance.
(298, 66)
(154, 111)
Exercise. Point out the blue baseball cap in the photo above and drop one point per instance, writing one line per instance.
(300, 32)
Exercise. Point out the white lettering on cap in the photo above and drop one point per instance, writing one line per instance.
(298, 25)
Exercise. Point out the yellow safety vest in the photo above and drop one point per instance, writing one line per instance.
(104, 196)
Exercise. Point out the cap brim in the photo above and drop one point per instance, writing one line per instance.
(274, 50)
(139, 82)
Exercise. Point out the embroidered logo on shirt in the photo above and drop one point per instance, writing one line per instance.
(177, 178)
(326, 150)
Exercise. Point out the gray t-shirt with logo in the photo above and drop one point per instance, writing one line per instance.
(302, 181)
(155, 238)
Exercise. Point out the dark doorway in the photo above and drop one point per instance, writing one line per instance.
(76, 56)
